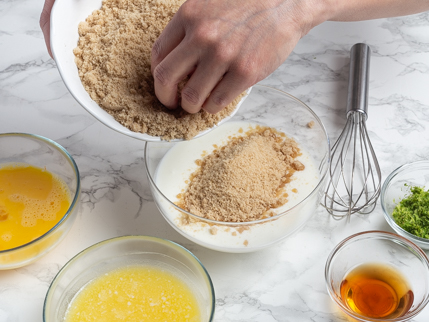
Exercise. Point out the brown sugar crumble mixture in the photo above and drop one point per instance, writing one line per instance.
(113, 57)
(243, 180)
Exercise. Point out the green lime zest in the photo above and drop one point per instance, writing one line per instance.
(412, 212)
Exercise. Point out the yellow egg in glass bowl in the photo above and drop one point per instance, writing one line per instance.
(171, 167)
(39, 197)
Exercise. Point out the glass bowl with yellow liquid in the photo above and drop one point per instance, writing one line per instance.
(39, 197)
(378, 276)
(131, 278)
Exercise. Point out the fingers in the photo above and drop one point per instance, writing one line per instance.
(169, 39)
(45, 23)
(175, 56)
(170, 71)
(226, 51)
(196, 47)
(231, 86)
(208, 87)
(200, 85)
(169, 63)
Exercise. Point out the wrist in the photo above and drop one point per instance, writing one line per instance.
(313, 12)
(323, 10)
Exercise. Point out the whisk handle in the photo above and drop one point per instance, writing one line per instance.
(357, 100)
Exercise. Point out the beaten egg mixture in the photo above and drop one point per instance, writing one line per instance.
(32, 201)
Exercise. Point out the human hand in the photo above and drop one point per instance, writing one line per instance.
(45, 23)
(226, 46)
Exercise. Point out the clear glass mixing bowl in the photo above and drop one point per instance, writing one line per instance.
(120, 252)
(42, 153)
(264, 106)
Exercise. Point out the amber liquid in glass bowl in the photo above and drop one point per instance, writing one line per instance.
(377, 291)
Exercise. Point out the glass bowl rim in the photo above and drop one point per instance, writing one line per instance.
(259, 221)
(384, 188)
(375, 234)
(166, 242)
(76, 196)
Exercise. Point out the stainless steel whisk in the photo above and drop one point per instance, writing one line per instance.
(355, 176)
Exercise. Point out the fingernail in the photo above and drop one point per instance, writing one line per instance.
(210, 109)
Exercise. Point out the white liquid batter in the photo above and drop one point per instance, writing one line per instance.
(172, 178)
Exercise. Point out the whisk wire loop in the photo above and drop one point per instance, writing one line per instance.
(354, 173)
(355, 177)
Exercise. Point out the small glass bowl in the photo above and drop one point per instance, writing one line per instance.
(394, 190)
(42, 153)
(382, 248)
(264, 106)
(122, 251)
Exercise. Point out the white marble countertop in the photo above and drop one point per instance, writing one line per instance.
(282, 283)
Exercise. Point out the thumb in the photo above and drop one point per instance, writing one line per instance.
(45, 23)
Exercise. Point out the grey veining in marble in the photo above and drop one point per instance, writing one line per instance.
(282, 283)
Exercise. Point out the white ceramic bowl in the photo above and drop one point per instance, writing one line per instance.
(265, 106)
(65, 18)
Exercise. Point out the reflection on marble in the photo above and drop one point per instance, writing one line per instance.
(282, 283)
